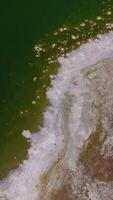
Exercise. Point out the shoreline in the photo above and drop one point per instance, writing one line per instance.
(74, 44)
(47, 145)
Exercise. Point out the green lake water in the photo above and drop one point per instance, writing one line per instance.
(24, 78)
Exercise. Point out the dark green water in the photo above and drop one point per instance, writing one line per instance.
(22, 24)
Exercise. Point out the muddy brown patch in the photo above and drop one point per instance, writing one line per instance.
(95, 164)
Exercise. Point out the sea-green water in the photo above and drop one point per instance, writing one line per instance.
(24, 77)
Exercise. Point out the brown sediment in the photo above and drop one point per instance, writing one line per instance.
(56, 183)
(64, 193)
(98, 165)
(46, 178)
(95, 164)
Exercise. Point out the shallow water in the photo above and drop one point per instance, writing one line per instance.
(67, 154)
(24, 77)
(80, 97)
(30, 46)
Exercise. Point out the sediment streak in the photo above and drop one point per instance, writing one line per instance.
(76, 133)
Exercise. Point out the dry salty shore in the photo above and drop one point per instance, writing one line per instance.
(71, 157)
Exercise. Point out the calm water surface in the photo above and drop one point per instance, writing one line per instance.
(23, 81)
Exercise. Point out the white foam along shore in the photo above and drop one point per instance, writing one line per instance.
(62, 128)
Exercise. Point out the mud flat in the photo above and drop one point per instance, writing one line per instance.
(67, 155)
